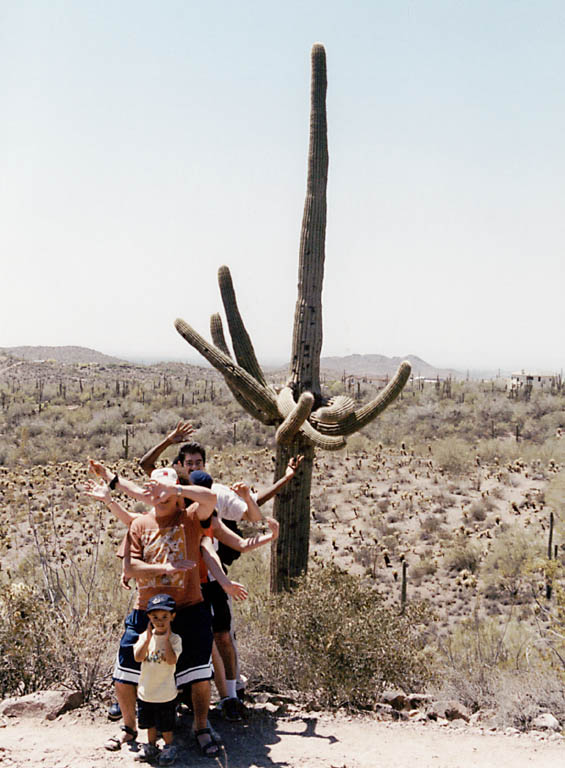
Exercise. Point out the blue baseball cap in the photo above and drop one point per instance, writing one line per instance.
(199, 477)
(161, 603)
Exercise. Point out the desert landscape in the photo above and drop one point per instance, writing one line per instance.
(447, 509)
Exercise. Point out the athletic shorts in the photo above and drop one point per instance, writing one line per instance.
(193, 624)
(156, 714)
(217, 599)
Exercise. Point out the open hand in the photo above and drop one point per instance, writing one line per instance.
(274, 526)
(242, 489)
(293, 463)
(178, 566)
(158, 493)
(181, 432)
(97, 468)
(98, 491)
(236, 590)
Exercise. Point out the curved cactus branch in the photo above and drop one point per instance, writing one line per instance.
(291, 425)
(349, 424)
(263, 398)
(217, 334)
(242, 346)
(335, 410)
(287, 405)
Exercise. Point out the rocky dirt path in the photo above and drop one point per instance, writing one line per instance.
(307, 740)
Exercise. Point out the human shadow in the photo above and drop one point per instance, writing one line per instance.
(246, 743)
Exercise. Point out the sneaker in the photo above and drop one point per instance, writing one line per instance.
(241, 694)
(147, 753)
(168, 755)
(232, 709)
(114, 711)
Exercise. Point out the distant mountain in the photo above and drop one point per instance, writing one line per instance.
(67, 355)
(374, 366)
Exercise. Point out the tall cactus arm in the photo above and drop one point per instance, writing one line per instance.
(307, 334)
(242, 346)
(286, 404)
(337, 408)
(290, 426)
(217, 333)
(355, 421)
(262, 397)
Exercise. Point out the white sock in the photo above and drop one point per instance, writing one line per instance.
(230, 687)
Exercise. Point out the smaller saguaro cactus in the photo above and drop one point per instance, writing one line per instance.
(125, 444)
(403, 586)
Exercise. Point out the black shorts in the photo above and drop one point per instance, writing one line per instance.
(217, 599)
(156, 714)
(193, 624)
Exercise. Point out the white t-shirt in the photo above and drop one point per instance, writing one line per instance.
(229, 505)
(157, 679)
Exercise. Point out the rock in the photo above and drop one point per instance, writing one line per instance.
(448, 709)
(395, 697)
(483, 717)
(546, 722)
(47, 704)
(416, 700)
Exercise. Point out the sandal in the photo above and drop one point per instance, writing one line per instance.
(210, 748)
(114, 744)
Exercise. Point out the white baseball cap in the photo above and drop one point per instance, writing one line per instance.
(165, 475)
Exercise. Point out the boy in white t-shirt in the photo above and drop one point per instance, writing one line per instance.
(158, 649)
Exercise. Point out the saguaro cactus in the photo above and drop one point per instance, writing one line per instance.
(305, 419)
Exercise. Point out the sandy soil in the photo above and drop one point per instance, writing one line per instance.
(309, 741)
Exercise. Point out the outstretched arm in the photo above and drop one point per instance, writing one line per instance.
(231, 539)
(180, 434)
(121, 484)
(156, 492)
(210, 557)
(253, 513)
(268, 493)
(101, 492)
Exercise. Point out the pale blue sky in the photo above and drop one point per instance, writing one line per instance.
(146, 143)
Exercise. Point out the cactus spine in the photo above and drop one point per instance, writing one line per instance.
(304, 417)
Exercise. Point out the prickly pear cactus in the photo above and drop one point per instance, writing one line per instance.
(304, 419)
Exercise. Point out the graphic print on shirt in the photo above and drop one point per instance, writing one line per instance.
(159, 547)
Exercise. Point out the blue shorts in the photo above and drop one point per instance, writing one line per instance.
(193, 624)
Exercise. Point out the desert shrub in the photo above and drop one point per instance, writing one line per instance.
(26, 661)
(500, 666)
(463, 556)
(59, 624)
(453, 455)
(479, 509)
(336, 641)
(508, 567)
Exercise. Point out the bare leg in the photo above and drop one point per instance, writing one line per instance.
(219, 672)
(200, 705)
(227, 652)
(152, 736)
(126, 695)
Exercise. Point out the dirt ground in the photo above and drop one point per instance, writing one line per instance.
(307, 740)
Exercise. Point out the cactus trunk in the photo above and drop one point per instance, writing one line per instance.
(289, 554)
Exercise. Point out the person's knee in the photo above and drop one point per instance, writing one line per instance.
(223, 640)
